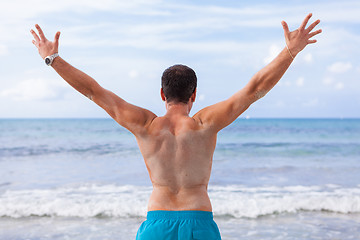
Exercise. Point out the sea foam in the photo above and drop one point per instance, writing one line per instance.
(131, 201)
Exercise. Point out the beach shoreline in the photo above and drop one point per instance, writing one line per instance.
(302, 225)
(271, 179)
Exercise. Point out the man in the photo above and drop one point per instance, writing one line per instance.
(178, 149)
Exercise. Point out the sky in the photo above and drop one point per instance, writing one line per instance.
(126, 45)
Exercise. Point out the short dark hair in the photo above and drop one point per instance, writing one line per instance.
(178, 83)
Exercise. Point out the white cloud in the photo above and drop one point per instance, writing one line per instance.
(167, 31)
(247, 15)
(327, 81)
(340, 67)
(331, 39)
(27, 9)
(161, 36)
(274, 50)
(133, 74)
(300, 82)
(308, 58)
(339, 86)
(311, 103)
(35, 89)
(3, 50)
(339, 11)
(280, 104)
(201, 97)
(203, 16)
(287, 83)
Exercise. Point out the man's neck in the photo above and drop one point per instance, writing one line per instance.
(178, 109)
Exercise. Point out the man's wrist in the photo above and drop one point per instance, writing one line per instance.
(56, 62)
(289, 52)
(49, 59)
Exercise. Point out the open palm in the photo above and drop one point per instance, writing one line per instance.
(45, 47)
(298, 39)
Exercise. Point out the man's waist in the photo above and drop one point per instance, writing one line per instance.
(178, 189)
(185, 214)
(163, 198)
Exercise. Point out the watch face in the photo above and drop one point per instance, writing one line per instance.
(47, 61)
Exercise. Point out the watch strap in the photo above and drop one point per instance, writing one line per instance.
(49, 59)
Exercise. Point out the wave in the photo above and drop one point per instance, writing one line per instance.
(130, 201)
(238, 201)
(38, 150)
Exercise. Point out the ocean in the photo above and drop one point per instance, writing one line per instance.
(271, 179)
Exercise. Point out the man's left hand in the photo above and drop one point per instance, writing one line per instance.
(45, 47)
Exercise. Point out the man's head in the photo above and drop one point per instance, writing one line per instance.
(178, 84)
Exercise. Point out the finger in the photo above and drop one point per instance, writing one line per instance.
(315, 33)
(285, 27)
(34, 42)
(56, 39)
(306, 20)
(35, 35)
(311, 27)
(42, 36)
(311, 41)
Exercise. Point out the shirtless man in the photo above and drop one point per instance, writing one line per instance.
(178, 149)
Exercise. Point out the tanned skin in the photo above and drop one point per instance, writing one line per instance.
(178, 149)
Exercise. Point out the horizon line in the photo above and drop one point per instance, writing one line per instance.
(109, 118)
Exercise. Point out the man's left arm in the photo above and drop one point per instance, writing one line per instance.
(134, 118)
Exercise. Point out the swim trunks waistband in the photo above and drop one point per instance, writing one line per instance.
(161, 214)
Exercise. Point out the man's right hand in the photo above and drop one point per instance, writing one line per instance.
(298, 39)
(45, 47)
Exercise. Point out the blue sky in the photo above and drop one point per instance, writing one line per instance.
(126, 45)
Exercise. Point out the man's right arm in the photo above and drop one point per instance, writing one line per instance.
(220, 115)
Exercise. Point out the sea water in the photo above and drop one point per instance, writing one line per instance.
(271, 179)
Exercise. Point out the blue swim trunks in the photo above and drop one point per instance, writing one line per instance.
(178, 225)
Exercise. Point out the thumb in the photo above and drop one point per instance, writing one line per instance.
(285, 27)
(56, 39)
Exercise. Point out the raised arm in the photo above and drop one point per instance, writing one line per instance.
(134, 118)
(220, 115)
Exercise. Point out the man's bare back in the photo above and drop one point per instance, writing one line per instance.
(178, 149)
(178, 153)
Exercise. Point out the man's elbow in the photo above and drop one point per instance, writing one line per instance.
(259, 93)
(256, 93)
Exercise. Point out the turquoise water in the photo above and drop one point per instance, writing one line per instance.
(86, 178)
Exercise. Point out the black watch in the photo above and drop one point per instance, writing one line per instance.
(49, 59)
